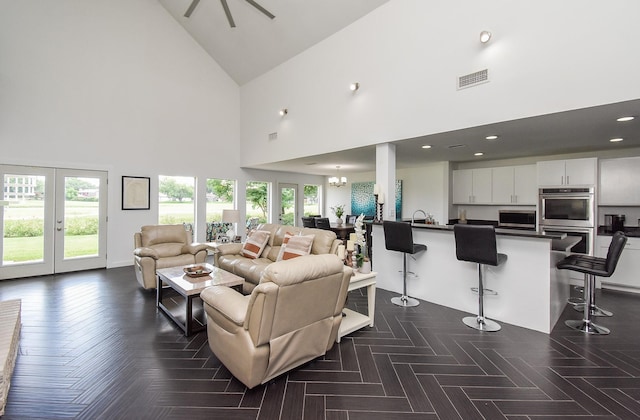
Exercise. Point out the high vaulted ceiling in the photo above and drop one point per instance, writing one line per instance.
(257, 43)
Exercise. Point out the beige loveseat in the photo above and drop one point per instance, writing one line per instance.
(163, 246)
(290, 318)
(229, 258)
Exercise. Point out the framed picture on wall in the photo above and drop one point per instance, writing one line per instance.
(136, 191)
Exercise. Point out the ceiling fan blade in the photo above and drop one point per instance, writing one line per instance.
(227, 12)
(191, 8)
(262, 9)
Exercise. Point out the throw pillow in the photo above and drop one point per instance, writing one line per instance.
(285, 240)
(296, 246)
(254, 244)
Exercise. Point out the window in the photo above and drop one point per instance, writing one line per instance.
(220, 196)
(257, 205)
(176, 201)
(312, 200)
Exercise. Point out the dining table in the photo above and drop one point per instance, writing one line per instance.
(342, 230)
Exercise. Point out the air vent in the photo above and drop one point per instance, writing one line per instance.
(473, 79)
(455, 146)
(273, 136)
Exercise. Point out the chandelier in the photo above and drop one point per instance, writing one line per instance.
(338, 181)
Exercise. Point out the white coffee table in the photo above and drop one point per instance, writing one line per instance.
(352, 320)
(181, 312)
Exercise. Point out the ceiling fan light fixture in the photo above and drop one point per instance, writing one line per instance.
(485, 36)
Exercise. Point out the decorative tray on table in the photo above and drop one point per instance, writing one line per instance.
(196, 270)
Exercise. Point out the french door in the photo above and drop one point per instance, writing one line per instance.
(288, 213)
(53, 220)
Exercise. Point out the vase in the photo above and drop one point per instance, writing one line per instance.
(366, 267)
(339, 221)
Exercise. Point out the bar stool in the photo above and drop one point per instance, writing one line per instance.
(592, 267)
(477, 243)
(398, 236)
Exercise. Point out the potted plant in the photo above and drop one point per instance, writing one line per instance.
(362, 257)
(338, 211)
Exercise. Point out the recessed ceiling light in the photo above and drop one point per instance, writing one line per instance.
(426, 146)
(623, 119)
(491, 137)
(616, 140)
(485, 36)
(478, 154)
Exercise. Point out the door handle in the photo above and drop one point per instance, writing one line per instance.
(58, 228)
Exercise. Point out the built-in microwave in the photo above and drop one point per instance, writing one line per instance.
(566, 207)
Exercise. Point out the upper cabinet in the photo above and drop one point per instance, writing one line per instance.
(620, 182)
(568, 172)
(472, 186)
(505, 185)
(514, 185)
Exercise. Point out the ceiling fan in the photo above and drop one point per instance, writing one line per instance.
(227, 11)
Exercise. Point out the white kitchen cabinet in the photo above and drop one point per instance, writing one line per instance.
(619, 182)
(627, 273)
(472, 186)
(571, 172)
(514, 185)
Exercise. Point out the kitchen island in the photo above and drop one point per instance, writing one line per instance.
(531, 292)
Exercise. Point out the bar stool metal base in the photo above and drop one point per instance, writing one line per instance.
(586, 326)
(593, 310)
(481, 324)
(405, 301)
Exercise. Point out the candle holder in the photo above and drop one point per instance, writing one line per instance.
(348, 261)
(376, 219)
(381, 212)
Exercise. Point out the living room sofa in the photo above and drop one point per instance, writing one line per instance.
(290, 318)
(163, 246)
(229, 256)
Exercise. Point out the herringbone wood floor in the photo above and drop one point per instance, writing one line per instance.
(94, 347)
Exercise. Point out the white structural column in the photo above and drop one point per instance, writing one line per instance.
(386, 177)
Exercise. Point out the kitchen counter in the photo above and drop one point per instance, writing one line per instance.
(532, 293)
(630, 231)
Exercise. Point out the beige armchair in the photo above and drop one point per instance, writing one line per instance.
(162, 246)
(290, 318)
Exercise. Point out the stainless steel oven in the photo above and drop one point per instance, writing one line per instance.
(586, 235)
(566, 207)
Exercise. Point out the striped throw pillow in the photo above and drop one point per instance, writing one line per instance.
(254, 244)
(295, 246)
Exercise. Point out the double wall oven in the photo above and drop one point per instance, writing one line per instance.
(571, 211)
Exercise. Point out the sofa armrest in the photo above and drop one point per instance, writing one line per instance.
(146, 252)
(233, 248)
(194, 248)
(227, 302)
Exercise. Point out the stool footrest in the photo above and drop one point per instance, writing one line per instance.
(490, 292)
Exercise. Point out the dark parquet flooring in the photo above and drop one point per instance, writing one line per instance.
(93, 346)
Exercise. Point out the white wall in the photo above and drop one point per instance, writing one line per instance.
(118, 86)
(545, 56)
(426, 188)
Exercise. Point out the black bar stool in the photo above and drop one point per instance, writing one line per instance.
(322, 223)
(592, 267)
(477, 243)
(398, 236)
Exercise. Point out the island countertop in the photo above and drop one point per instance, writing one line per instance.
(499, 231)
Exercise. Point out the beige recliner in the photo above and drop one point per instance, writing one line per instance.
(162, 246)
(291, 317)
